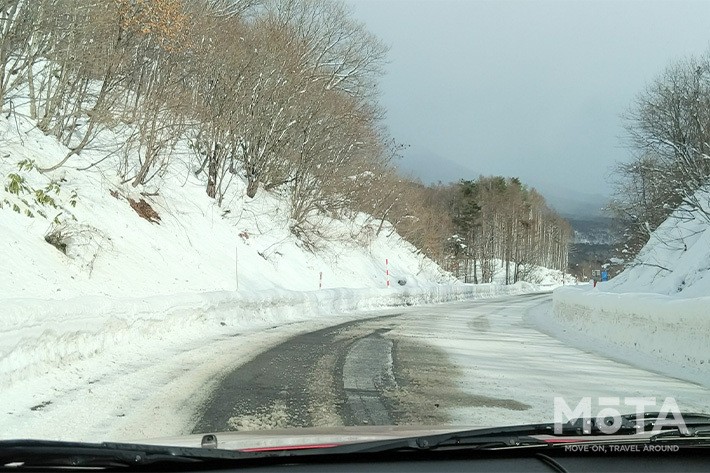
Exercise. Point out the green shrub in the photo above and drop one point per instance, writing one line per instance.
(24, 199)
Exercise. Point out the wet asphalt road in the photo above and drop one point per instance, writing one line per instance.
(469, 363)
(347, 366)
(376, 371)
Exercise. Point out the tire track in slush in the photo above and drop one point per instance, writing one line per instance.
(276, 389)
(367, 372)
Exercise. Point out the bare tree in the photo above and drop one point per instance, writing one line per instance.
(670, 124)
(669, 132)
(26, 38)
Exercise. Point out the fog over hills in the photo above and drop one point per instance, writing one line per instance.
(430, 168)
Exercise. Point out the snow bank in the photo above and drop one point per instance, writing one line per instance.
(38, 335)
(538, 275)
(653, 331)
(549, 278)
(656, 313)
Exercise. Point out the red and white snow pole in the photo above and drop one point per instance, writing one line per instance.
(320, 281)
(236, 264)
(387, 270)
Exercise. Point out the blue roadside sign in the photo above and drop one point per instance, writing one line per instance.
(605, 275)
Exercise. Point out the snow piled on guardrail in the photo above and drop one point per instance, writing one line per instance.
(40, 335)
(653, 331)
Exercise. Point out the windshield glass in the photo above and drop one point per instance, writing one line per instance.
(314, 218)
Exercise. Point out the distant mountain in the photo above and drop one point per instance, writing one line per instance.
(594, 230)
(432, 168)
(575, 205)
(593, 246)
(571, 203)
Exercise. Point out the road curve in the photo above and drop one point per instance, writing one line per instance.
(466, 363)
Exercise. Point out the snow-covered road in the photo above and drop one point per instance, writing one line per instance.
(465, 363)
(477, 362)
(501, 354)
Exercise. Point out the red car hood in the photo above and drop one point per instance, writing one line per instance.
(323, 437)
(310, 437)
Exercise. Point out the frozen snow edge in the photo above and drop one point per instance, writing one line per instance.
(655, 332)
(41, 335)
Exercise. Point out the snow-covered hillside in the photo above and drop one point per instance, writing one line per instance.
(196, 246)
(676, 259)
(538, 275)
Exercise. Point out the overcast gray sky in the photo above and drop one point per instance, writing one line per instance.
(532, 89)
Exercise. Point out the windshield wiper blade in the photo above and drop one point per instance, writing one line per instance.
(500, 437)
(45, 453)
(633, 423)
(527, 436)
